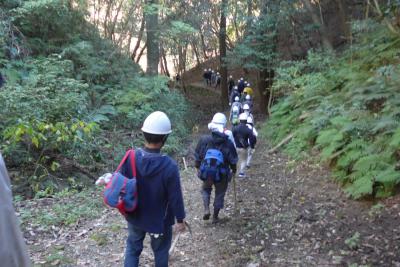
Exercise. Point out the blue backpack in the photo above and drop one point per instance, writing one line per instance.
(121, 191)
(212, 167)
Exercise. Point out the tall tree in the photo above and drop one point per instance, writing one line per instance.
(222, 53)
(152, 43)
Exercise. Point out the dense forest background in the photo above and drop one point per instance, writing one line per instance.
(326, 73)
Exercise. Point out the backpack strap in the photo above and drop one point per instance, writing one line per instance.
(131, 154)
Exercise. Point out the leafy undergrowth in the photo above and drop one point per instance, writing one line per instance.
(72, 103)
(345, 109)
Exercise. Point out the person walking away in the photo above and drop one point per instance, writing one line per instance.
(216, 142)
(249, 102)
(246, 110)
(237, 104)
(218, 123)
(234, 116)
(244, 138)
(231, 84)
(241, 86)
(248, 90)
(209, 73)
(13, 250)
(217, 80)
(160, 199)
(250, 151)
(213, 78)
(205, 77)
(235, 93)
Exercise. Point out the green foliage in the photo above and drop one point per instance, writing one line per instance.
(345, 107)
(354, 241)
(77, 102)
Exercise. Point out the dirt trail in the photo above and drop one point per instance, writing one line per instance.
(289, 216)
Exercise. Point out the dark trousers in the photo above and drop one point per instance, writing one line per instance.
(220, 190)
(159, 245)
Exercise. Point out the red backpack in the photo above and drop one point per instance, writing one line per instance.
(121, 191)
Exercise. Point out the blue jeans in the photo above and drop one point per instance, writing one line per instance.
(134, 246)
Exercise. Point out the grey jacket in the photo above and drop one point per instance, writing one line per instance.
(13, 251)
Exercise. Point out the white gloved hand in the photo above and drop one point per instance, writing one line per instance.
(104, 179)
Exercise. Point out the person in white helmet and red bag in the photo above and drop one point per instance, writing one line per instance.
(215, 159)
(160, 199)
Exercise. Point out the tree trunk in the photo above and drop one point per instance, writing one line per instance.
(139, 38)
(222, 53)
(344, 20)
(323, 31)
(153, 52)
(141, 53)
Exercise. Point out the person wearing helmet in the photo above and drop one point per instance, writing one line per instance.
(249, 101)
(250, 151)
(218, 123)
(217, 80)
(231, 84)
(234, 116)
(13, 250)
(209, 73)
(244, 139)
(235, 93)
(247, 111)
(248, 90)
(160, 199)
(217, 140)
(241, 86)
(235, 105)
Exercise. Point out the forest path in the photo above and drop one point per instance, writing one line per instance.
(290, 215)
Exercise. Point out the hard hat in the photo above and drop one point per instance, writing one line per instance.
(236, 98)
(248, 84)
(157, 123)
(205, 69)
(248, 97)
(246, 107)
(243, 117)
(209, 69)
(217, 73)
(250, 120)
(230, 76)
(235, 88)
(241, 78)
(235, 109)
(219, 118)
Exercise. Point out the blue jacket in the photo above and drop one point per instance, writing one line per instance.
(160, 198)
(222, 142)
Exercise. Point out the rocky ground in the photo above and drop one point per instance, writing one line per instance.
(289, 214)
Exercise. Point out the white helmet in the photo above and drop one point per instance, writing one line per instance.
(248, 97)
(157, 123)
(205, 69)
(238, 81)
(209, 69)
(230, 76)
(235, 88)
(241, 78)
(236, 98)
(243, 117)
(245, 82)
(246, 107)
(219, 118)
(248, 84)
(217, 73)
(250, 120)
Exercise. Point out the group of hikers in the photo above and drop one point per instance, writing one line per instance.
(212, 78)
(147, 183)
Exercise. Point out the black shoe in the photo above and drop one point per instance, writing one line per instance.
(215, 220)
(248, 167)
(206, 216)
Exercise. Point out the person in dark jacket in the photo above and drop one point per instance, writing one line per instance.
(160, 199)
(244, 138)
(231, 84)
(241, 85)
(219, 140)
(13, 250)
(235, 93)
(2, 80)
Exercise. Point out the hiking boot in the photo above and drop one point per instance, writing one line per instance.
(241, 175)
(215, 218)
(206, 216)
(247, 166)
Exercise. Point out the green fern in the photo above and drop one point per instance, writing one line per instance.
(361, 187)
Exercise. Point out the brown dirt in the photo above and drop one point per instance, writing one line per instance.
(289, 215)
